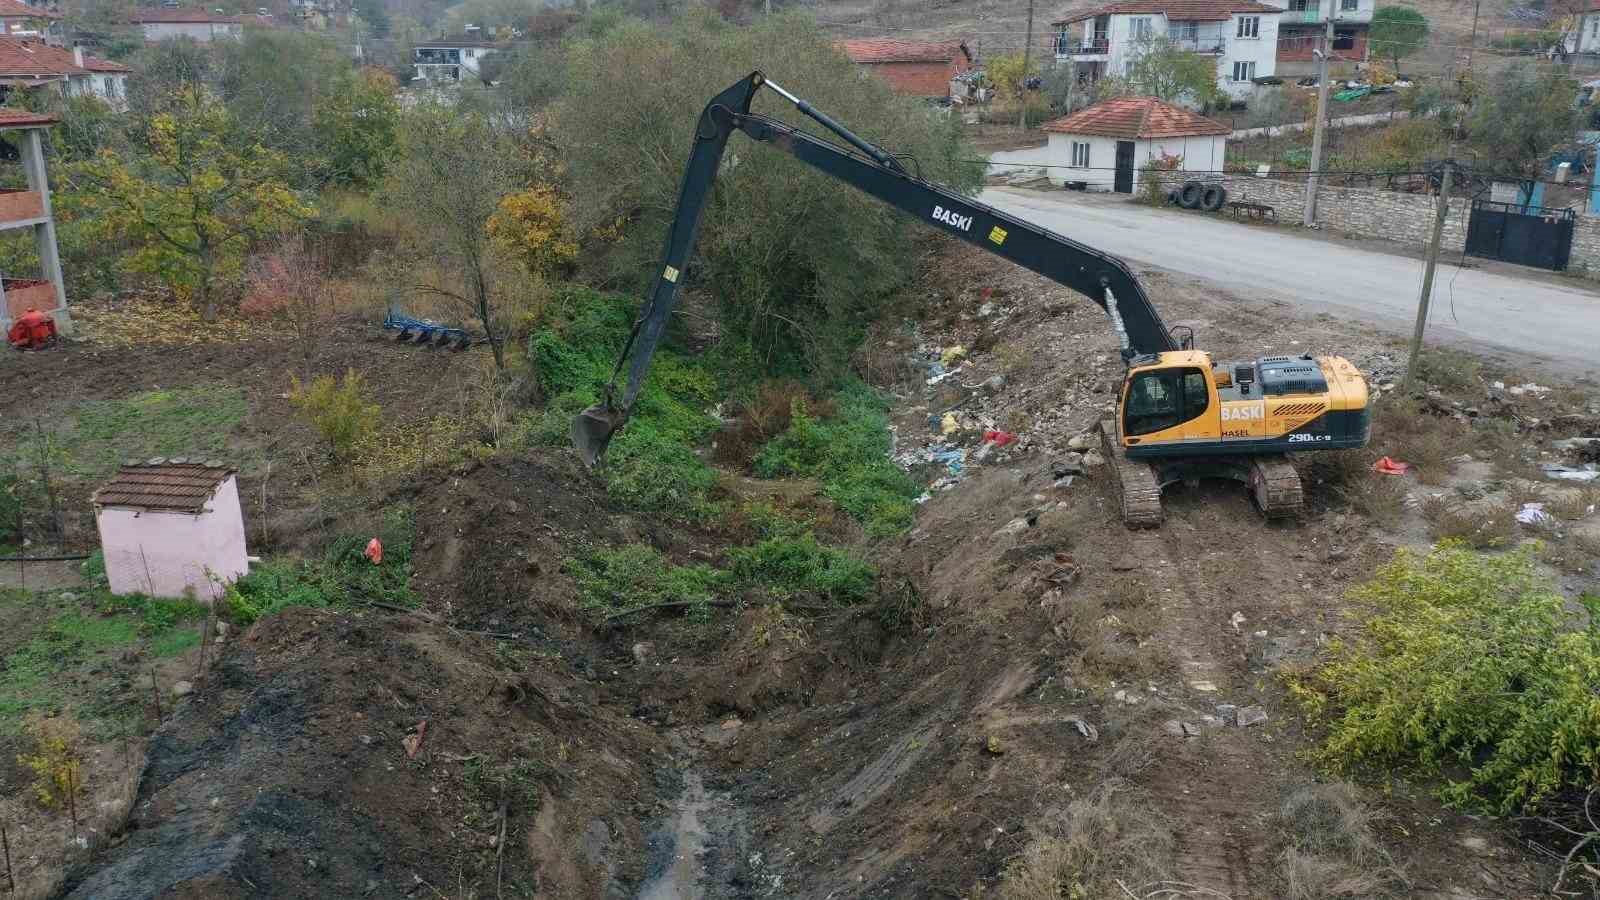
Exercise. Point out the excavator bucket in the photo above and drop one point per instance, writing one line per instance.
(592, 431)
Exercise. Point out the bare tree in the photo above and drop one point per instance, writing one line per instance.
(289, 286)
(453, 169)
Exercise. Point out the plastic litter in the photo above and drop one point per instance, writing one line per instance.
(952, 459)
(953, 354)
(999, 438)
(1568, 473)
(1387, 466)
(1532, 514)
(374, 551)
(948, 424)
(942, 376)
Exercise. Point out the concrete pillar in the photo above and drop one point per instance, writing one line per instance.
(44, 234)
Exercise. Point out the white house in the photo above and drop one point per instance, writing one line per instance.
(198, 24)
(26, 20)
(1106, 146)
(448, 61)
(1241, 34)
(30, 64)
(171, 527)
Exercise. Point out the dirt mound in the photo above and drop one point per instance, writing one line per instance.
(289, 776)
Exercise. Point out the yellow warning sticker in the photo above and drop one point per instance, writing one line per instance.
(670, 274)
(997, 235)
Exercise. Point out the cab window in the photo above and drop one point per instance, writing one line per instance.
(1164, 398)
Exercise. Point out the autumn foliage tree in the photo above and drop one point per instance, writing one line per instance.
(531, 227)
(193, 202)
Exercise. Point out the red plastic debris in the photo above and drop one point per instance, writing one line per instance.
(999, 438)
(1389, 466)
(374, 551)
(32, 330)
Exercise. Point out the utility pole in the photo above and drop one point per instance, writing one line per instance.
(1322, 118)
(1027, 58)
(1427, 274)
(1472, 41)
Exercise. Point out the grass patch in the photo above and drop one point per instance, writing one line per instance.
(1329, 848)
(651, 464)
(1451, 371)
(788, 566)
(1465, 666)
(343, 576)
(1482, 525)
(1403, 430)
(175, 642)
(183, 422)
(849, 454)
(617, 581)
(1094, 848)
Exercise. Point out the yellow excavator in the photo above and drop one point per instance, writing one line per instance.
(1181, 415)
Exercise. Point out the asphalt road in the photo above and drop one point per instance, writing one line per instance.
(1537, 318)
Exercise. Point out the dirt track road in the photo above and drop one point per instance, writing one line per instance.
(1536, 318)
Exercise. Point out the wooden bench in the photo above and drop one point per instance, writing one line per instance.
(1255, 210)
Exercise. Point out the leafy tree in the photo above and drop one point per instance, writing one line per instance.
(1159, 68)
(1521, 116)
(1007, 73)
(163, 71)
(1397, 32)
(192, 201)
(531, 227)
(375, 14)
(274, 81)
(799, 261)
(355, 127)
(446, 183)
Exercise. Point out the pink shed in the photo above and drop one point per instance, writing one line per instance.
(171, 528)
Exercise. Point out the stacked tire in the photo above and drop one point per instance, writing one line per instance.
(1196, 195)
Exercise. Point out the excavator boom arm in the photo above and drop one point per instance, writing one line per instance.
(1102, 278)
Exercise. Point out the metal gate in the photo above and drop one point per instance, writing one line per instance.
(1530, 236)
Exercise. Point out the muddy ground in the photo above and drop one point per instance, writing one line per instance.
(1027, 651)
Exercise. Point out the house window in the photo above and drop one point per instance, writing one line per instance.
(1349, 5)
(1594, 27)
(1303, 5)
(1139, 27)
(1080, 154)
(1243, 71)
(1344, 39)
(1249, 26)
(1185, 31)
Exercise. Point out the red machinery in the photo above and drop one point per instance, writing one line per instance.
(33, 330)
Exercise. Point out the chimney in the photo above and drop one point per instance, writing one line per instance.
(77, 56)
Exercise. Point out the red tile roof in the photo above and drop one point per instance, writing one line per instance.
(177, 485)
(884, 50)
(1136, 118)
(17, 118)
(1175, 10)
(16, 9)
(35, 58)
(190, 15)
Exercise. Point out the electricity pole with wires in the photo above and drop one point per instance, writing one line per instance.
(1320, 128)
(1427, 273)
(1027, 58)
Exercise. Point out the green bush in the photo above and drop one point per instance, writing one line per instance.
(788, 566)
(651, 464)
(619, 580)
(338, 409)
(342, 576)
(849, 454)
(10, 508)
(1470, 666)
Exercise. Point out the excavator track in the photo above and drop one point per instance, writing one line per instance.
(1276, 486)
(1136, 481)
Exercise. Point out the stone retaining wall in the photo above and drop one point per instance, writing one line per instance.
(1389, 215)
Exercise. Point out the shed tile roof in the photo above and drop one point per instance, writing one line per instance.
(36, 58)
(189, 15)
(173, 485)
(19, 118)
(1136, 118)
(1175, 10)
(885, 50)
(16, 9)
